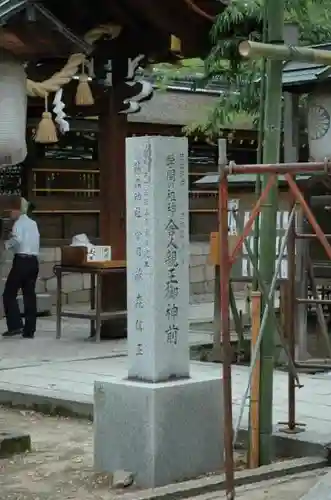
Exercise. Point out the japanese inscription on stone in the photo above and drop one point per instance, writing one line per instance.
(171, 256)
(141, 238)
(157, 257)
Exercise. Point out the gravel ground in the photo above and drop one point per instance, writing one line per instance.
(59, 467)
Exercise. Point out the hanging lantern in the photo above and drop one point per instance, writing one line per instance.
(13, 110)
(319, 125)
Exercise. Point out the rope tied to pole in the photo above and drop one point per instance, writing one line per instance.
(72, 66)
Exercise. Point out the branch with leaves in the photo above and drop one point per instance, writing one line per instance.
(243, 20)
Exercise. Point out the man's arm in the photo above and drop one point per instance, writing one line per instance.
(15, 238)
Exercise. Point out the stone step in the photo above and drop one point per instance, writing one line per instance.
(44, 304)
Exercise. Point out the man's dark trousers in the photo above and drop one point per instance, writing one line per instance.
(23, 275)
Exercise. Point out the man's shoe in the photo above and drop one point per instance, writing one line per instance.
(28, 336)
(13, 333)
(91, 338)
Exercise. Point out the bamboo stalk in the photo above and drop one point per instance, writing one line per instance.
(254, 449)
(256, 50)
(271, 153)
(260, 145)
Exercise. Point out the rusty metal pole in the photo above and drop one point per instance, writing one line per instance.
(225, 334)
(309, 214)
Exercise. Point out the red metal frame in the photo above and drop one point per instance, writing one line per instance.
(249, 224)
(226, 262)
(225, 333)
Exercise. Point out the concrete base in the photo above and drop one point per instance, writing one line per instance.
(162, 433)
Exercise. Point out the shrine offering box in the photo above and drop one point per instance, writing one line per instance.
(214, 252)
(85, 256)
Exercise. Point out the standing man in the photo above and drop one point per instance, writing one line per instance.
(25, 242)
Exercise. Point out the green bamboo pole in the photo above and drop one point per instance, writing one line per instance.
(271, 154)
(260, 150)
(256, 50)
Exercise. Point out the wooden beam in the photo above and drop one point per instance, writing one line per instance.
(112, 135)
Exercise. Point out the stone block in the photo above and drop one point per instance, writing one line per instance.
(40, 286)
(58, 252)
(197, 274)
(70, 283)
(204, 298)
(50, 285)
(64, 298)
(11, 444)
(197, 288)
(198, 260)
(47, 254)
(199, 248)
(46, 270)
(87, 281)
(78, 296)
(6, 267)
(174, 434)
(210, 286)
(209, 272)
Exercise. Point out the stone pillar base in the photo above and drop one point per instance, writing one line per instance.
(162, 433)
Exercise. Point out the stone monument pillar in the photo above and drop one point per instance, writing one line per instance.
(159, 423)
(157, 258)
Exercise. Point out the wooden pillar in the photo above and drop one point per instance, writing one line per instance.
(112, 135)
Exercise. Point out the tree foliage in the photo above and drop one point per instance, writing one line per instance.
(243, 20)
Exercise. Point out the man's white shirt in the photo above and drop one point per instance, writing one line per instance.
(25, 237)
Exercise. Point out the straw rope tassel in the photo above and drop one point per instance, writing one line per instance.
(84, 96)
(46, 130)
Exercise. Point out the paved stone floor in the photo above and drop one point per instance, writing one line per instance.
(66, 370)
(286, 488)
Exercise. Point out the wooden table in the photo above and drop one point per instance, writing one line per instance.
(96, 315)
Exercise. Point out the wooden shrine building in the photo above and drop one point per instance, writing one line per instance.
(45, 34)
(35, 30)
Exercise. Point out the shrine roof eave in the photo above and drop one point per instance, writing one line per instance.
(303, 77)
(29, 31)
(189, 20)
